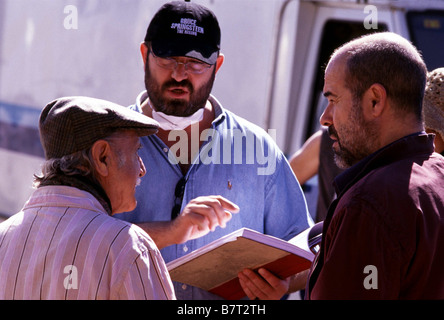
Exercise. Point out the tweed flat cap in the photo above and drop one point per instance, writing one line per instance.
(433, 106)
(72, 124)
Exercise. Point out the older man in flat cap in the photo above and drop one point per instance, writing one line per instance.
(64, 244)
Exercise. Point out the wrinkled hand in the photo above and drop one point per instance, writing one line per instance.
(202, 215)
(263, 285)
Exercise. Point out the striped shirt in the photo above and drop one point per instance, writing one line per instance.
(63, 245)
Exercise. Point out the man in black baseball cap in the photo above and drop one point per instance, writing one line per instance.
(182, 38)
(184, 198)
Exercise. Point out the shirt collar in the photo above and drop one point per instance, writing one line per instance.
(82, 183)
(417, 143)
(219, 111)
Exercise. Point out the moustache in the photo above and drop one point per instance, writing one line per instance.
(176, 84)
(332, 132)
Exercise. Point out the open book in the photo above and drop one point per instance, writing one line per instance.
(214, 267)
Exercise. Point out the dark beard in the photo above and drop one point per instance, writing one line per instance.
(343, 157)
(361, 139)
(177, 107)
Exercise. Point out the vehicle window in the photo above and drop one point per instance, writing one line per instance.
(335, 33)
(427, 34)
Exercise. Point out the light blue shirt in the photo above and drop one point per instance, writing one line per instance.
(249, 170)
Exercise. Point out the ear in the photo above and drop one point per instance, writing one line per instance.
(375, 98)
(220, 61)
(101, 156)
(144, 53)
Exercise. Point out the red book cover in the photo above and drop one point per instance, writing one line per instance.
(215, 266)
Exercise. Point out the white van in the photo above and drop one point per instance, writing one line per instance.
(272, 75)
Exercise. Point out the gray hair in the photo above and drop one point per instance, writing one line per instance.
(78, 163)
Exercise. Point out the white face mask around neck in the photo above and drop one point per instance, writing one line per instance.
(168, 122)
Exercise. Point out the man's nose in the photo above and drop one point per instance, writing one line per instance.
(326, 118)
(180, 72)
(142, 168)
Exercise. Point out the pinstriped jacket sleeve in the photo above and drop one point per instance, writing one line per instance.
(148, 271)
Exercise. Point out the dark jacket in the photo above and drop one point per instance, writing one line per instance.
(383, 237)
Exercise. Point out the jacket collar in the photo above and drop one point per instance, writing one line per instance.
(417, 143)
(82, 183)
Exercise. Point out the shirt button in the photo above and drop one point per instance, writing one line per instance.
(165, 149)
(184, 287)
(185, 249)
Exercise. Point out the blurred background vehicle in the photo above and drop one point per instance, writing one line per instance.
(274, 50)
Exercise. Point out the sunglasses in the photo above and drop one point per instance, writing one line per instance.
(178, 193)
(171, 64)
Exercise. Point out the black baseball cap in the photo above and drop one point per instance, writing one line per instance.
(185, 29)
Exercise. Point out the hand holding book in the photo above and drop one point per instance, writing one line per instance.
(215, 267)
(263, 284)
